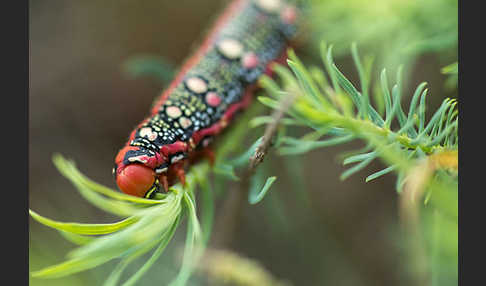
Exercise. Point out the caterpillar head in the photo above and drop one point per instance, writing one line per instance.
(138, 171)
(134, 173)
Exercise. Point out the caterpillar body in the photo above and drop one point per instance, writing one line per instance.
(212, 85)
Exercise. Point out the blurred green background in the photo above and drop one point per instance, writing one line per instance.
(312, 228)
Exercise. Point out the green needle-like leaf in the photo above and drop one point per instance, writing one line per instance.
(83, 228)
(308, 86)
(270, 86)
(421, 113)
(451, 69)
(76, 238)
(386, 97)
(160, 249)
(194, 245)
(356, 168)
(397, 108)
(359, 158)
(256, 195)
(356, 97)
(379, 173)
(363, 80)
(262, 120)
(326, 55)
(269, 102)
(226, 170)
(286, 75)
(70, 267)
(115, 275)
(69, 170)
(300, 146)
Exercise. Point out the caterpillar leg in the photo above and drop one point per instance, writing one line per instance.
(164, 181)
(208, 153)
(180, 173)
(175, 171)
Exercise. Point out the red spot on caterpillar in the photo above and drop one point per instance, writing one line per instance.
(217, 127)
(250, 60)
(213, 99)
(289, 15)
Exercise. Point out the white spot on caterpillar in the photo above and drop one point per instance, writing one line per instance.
(269, 5)
(137, 159)
(160, 171)
(185, 122)
(230, 48)
(147, 132)
(197, 85)
(173, 111)
(176, 158)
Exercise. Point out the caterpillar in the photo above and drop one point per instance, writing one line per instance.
(215, 83)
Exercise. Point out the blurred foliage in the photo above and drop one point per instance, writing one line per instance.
(424, 155)
(452, 71)
(149, 65)
(225, 267)
(397, 31)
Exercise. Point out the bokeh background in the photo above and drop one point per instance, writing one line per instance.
(318, 231)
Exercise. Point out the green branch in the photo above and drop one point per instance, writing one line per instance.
(336, 109)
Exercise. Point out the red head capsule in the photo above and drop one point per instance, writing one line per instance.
(134, 171)
(135, 180)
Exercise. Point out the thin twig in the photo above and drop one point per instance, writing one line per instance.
(234, 204)
(269, 134)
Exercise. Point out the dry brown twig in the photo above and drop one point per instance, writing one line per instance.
(234, 204)
(270, 131)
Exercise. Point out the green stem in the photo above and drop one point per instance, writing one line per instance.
(360, 128)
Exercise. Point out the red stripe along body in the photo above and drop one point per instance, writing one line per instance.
(214, 84)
